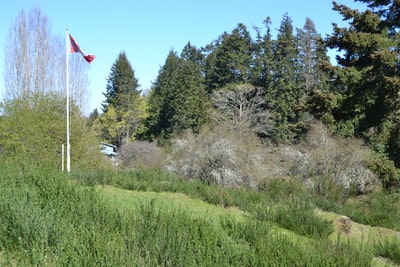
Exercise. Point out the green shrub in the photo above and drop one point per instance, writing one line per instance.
(387, 172)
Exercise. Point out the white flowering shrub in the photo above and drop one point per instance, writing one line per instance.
(343, 161)
(213, 157)
(141, 154)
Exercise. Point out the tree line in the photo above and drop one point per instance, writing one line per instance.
(274, 87)
(279, 76)
(292, 75)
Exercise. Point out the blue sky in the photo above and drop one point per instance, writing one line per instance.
(148, 30)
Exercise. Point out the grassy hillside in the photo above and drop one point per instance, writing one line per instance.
(346, 231)
(89, 219)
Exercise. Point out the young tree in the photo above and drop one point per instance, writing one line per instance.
(123, 103)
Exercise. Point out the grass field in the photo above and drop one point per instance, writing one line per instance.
(345, 229)
(151, 218)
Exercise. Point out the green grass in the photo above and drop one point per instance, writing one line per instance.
(170, 202)
(150, 218)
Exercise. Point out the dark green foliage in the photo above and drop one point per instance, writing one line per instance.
(284, 95)
(233, 58)
(387, 172)
(264, 45)
(121, 84)
(318, 99)
(368, 77)
(178, 99)
(388, 10)
(93, 116)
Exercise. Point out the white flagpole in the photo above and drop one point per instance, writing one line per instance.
(67, 92)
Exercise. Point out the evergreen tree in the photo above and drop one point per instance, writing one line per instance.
(194, 110)
(368, 69)
(210, 70)
(178, 99)
(263, 57)
(368, 75)
(284, 93)
(231, 59)
(123, 96)
(388, 11)
(121, 84)
(160, 109)
(93, 116)
(314, 77)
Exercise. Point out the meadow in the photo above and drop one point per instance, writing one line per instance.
(152, 218)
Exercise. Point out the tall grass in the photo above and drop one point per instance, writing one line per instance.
(49, 219)
(376, 209)
(389, 248)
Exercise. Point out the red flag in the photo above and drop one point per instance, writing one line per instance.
(76, 49)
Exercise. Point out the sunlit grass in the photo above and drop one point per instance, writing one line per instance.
(47, 220)
(170, 201)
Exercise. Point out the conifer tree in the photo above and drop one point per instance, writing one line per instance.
(261, 71)
(121, 84)
(231, 59)
(284, 93)
(126, 104)
(310, 47)
(368, 76)
(314, 78)
(178, 99)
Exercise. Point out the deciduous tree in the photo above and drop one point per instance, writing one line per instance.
(34, 61)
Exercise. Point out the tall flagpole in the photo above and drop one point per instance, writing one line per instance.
(67, 92)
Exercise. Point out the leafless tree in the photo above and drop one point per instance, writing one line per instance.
(243, 108)
(35, 60)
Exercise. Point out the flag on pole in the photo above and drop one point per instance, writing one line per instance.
(76, 49)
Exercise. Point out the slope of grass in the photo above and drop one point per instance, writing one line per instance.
(47, 219)
(169, 202)
(346, 232)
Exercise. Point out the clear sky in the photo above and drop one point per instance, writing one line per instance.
(147, 30)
